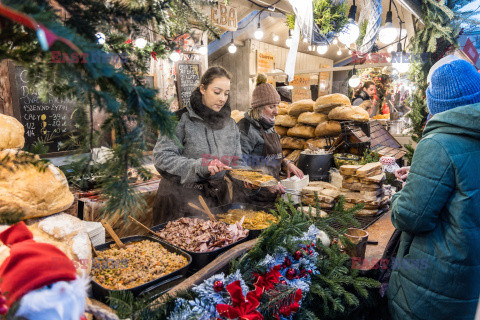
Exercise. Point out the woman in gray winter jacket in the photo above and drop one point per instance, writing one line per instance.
(206, 143)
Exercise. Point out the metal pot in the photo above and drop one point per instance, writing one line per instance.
(316, 165)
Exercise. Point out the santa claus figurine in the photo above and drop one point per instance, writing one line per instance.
(38, 281)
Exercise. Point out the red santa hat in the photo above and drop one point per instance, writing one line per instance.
(31, 265)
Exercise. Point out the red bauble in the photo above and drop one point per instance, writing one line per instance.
(310, 271)
(308, 246)
(287, 262)
(291, 274)
(218, 286)
(297, 255)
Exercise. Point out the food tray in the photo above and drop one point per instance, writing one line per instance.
(252, 234)
(270, 183)
(200, 259)
(164, 283)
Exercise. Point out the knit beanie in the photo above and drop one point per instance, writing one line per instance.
(454, 84)
(31, 265)
(264, 93)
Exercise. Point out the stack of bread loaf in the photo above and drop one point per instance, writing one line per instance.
(326, 193)
(306, 124)
(364, 184)
(38, 192)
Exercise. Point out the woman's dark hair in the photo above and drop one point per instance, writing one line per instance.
(213, 73)
(366, 85)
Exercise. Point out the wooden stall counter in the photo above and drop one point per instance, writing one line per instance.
(380, 231)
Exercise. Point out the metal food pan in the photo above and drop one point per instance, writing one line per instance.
(162, 283)
(201, 259)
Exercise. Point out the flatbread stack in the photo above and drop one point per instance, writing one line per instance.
(326, 193)
(364, 184)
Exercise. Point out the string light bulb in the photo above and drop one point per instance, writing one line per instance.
(258, 33)
(322, 49)
(203, 50)
(388, 33)
(351, 31)
(275, 37)
(339, 52)
(174, 56)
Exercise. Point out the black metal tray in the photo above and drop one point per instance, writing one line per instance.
(252, 234)
(163, 283)
(200, 259)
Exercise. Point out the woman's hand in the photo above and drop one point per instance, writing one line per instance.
(402, 173)
(215, 166)
(279, 188)
(291, 168)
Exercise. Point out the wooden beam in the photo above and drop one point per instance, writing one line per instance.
(358, 66)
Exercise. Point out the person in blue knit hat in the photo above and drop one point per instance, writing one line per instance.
(436, 274)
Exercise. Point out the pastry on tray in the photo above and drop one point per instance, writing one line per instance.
(254, 177)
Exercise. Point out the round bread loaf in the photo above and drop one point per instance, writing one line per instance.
(237, 115)
(11, 133)
(65, 232)
(282, 131)
(300, 107)
(292, 143)
(354, 113)
(316, 143)
(328, 129)
(301, 131)
(285, 121)
(283, 108)
(28, 190)
(312, 118)
(325, 104)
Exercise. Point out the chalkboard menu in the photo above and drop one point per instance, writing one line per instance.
(188, 79)
(50, 122)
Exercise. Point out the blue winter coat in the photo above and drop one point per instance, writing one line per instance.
(437, 271)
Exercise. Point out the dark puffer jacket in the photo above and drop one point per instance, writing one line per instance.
(437, 271)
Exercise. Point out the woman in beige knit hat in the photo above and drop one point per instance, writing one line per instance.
(261, 147)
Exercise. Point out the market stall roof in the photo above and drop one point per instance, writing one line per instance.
(274, 23)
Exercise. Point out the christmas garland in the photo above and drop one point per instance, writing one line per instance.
(329, 17)
(436, 38)
(293, 272)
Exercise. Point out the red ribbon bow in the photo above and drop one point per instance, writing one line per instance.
(154, 55)
(128, 41)
(243, 309)
(287, 311)
(266, 281)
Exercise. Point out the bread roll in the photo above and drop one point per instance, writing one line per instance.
(301, 106)
(35, 193)
(301, 131)
(292, 143)
(283, 108)
(354, 113)
(65, 232)
(282, 131)
(237, 115)
(312, 118)
(294, 155)
(286, 152)
(285, 121)
(328, 129)
(316, 143)
(325, 104)
(11, 133)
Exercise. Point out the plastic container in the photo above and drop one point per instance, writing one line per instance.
(163, 283)
(296, 186)
(252, 234)
(200, 259)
